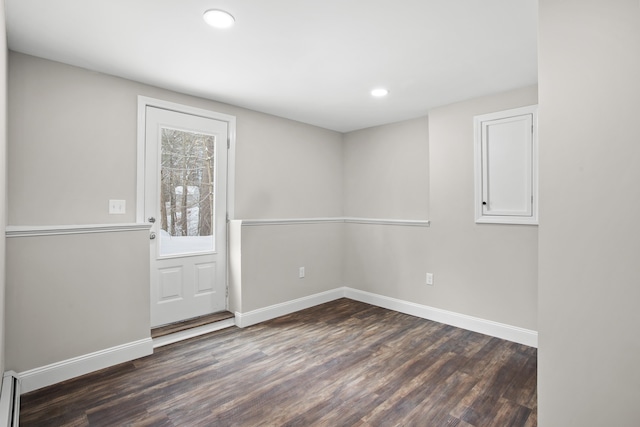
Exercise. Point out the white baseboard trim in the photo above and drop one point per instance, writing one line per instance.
(192, 333)
(475, 324)
(56, 372)
(267, 313)
(47, 375)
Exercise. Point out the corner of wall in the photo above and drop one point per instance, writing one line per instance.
(235, 266)
(3, 177)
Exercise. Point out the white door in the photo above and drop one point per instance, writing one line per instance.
(506, 167)
(185, 200)
(507, 161)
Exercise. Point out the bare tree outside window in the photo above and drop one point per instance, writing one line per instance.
(187, 185)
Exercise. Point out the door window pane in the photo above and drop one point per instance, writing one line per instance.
(186, 192)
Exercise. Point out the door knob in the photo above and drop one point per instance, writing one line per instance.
(151, 219)
(152, 235)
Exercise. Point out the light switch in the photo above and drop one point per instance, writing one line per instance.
(117, 206)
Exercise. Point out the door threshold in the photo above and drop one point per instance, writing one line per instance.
(194, 322)
(191, 328)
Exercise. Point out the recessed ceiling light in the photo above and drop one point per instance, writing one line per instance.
(380, 92)
(218, 18)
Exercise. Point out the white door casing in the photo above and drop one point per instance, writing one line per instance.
(186, 280)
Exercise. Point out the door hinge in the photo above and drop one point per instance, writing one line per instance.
(229, 143)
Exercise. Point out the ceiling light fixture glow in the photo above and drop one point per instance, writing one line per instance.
(218, 18)
(380, 92)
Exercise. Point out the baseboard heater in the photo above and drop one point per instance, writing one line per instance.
(10, 400)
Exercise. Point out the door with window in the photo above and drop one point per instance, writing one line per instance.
(185, 182)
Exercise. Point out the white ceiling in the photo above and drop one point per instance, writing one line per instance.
(314, 61)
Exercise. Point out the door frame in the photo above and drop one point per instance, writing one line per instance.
(143, 103)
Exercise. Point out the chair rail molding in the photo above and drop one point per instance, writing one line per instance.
(59, 230)
(327, 220)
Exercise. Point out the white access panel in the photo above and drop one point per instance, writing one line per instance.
(506, 164)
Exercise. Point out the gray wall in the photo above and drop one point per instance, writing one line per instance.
(73, 295)
(387, 177)
(387, 171)
(272, 255)
(77, 129)
(285, 169)
(423, 169)
(589, 78)
(3, 180)
(72, 147)
(483, 270)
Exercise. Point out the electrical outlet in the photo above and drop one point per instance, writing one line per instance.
(301, 273)
(430, 279)
(117, 207)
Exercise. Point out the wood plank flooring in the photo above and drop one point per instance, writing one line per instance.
(343, 363)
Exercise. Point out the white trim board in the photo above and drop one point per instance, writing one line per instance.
(378, 221)
(348, 220)
(271, 312)
(37, 378)
(289, 221)
(61, 230)
(475, 324)
(47, 375)
(192, 333)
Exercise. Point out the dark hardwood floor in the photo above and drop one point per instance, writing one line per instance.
(343, 363)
